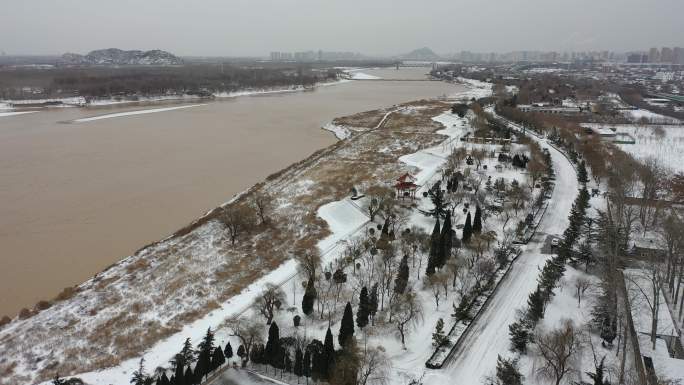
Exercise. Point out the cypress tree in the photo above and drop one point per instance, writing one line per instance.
(373, 303)
(203, 364)
(364, 308)
(477, 221)
(467, 230)
(347, 326)
(164, 380)
(535, 303)
(206, 348)
(445, 240)
(272, 346)
(385, 228)
(582, 176)
(401, 281)
(520, 335)
(187, 353)
(217, 358)
(328, 356)
(435, 249)
(306, 364)
(189, 377)
(309, 297)
(298, 364)
(507, 371)
(228, 352)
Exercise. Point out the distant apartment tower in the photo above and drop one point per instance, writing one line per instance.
(275, 56)
(678, 54)
(653, 55)
(666, 55)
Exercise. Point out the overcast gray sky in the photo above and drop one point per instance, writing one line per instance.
(385, 27)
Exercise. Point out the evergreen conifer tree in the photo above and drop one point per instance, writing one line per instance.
(364, 308)
(535, 303)
(241, 352)
(507, 371)
(217, 358)
(139, 376)
(520, 335)
(445, 242)
(435, 249)
(298, 369)
(272, 346)
(309, 298)
(206, 349)
(582, 176)
(189, 377)
(373, 303)
(306, 364)
(401, 281)
(328, 356)
(228, 351)
(347, 326)
(477, 221)
(438, 337)
(164, 379)
(467, 230)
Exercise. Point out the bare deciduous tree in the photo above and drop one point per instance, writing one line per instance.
(269, 301)
(581, 285)
(408, 311)
(248, 331)
(645, 288)
(238, 218)
(557, 350)
(263, 205)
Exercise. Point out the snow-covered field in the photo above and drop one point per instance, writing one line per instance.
(652, 117)
(136, 112)
(664, 143)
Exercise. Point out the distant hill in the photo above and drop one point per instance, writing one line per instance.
(424, 53)
(115, 56)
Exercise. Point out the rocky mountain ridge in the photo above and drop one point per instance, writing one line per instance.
(115, 56)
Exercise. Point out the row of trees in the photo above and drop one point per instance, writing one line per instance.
(521, 330)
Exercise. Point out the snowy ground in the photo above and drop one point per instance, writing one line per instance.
(664, 143)
(476, 358)
(640, 292)
(136, 112)
(637, 115)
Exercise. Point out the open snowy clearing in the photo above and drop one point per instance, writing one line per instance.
(133, 113)
(664, 143)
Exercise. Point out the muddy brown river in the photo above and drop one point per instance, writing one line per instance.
(77, 197)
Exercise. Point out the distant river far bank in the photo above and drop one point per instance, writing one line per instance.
(77, 197)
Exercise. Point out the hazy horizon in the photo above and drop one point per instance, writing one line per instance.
(380, 28)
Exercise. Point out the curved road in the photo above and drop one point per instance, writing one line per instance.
(488, 337)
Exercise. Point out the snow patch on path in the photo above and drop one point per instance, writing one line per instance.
(137, 112)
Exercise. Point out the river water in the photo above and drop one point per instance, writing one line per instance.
(77, 197)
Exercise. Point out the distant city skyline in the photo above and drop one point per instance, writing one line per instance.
(378, 28)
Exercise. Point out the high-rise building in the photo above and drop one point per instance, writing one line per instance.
(666, 55)
(678, 54)
(653, 55)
